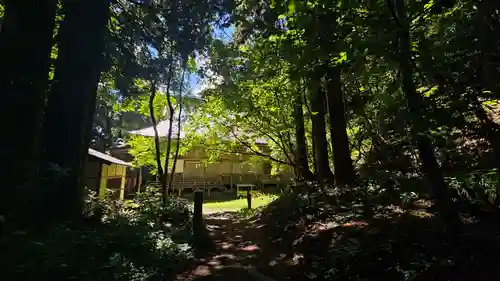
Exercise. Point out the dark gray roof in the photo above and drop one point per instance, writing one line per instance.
(108, 158)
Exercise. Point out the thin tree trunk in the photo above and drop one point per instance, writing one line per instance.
(179, 126)
(313, 158)
(108, 138)
(71, 104)
(152, 96)
(26, 40)
(169, 135)
(317, 97)
(342, 162)
(300, 139)
(430, 166)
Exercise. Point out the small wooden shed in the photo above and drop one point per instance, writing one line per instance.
(104, 172)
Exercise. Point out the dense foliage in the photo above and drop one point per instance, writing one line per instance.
(375, 102)
(388, 90)
(118, 241)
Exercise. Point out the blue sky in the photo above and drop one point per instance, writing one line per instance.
(225, 34)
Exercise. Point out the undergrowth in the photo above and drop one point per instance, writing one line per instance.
(331, 239)
(142, 239)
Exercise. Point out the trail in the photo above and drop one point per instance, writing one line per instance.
(239, 252)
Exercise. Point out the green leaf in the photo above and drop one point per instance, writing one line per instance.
(291, 7)
(191, 64)
(340, 59)
(426, 91)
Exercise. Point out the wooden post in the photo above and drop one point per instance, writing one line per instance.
(181, 183)
(103, 185)
(123, 181)
(198, 214)
(203, 177)
(249, 197)
(99, 178)
(138, 180)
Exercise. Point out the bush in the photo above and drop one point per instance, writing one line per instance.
(119, 240)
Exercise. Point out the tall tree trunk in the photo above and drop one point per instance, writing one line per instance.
(152, 95)
(313, 150)
(108, 136)
(344, 170)
(179, 127)
(26, 40)
(169, 134)
(317, 97)
(71, 104)
(430, 166)
(301, 160)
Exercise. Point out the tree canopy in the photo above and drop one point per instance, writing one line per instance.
(369, 100)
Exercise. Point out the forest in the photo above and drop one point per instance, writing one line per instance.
(386, 111)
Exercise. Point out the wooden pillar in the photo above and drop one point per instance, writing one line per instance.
(249, 197)
(241, 175)
(198, 214)
(123, 181)
(139, 180)
(181, 183)
(99, 176)
(231, 177)
(103, 181)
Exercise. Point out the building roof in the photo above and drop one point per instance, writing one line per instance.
(163, 126)
(108, 158)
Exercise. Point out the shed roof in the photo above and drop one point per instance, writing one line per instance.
(108, 158)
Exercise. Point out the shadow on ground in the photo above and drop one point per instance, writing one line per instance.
(297, 242)
(232, 246)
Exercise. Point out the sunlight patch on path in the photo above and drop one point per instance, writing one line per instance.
(250, 248)
(236, 205)
(236, 252)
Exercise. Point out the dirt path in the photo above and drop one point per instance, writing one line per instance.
(237, 253)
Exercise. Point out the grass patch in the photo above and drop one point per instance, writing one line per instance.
(237, 204)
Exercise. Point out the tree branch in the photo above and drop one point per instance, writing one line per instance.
(258, 153)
